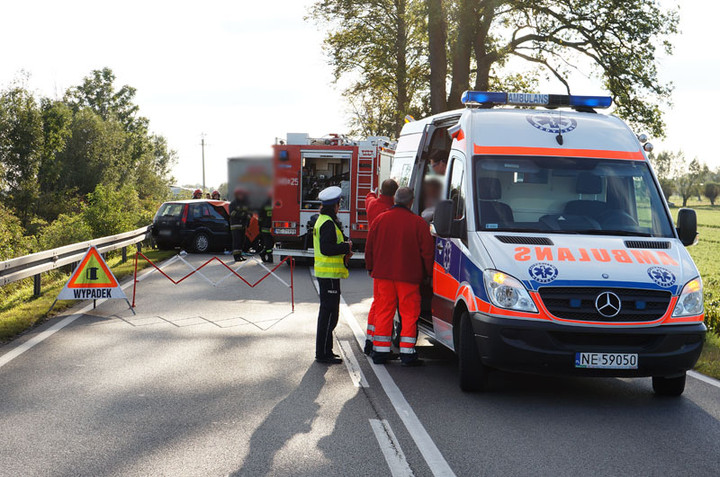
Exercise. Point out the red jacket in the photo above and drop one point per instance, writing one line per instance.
(375, 205)
(399, 247)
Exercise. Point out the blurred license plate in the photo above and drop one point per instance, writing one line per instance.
(165, 233)
(606, 360)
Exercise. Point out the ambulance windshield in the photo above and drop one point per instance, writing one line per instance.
(569, 195)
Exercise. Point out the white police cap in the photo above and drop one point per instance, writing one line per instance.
(330, 195)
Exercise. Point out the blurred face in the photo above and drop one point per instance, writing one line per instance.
(438, 167)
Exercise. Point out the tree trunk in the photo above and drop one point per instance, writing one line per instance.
(483, 59)
(401, 74)
(462, 53)
(437, 47)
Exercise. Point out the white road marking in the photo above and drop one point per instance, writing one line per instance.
(390, 448)
(432, 455)
(22, 347)
(352, 365)
(705, 379)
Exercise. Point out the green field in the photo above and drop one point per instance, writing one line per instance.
(707, 258)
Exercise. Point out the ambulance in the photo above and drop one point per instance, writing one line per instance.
(556, 252)
(303, 166)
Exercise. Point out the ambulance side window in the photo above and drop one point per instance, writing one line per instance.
(456, 189)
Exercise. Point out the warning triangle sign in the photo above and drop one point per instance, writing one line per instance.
(91, 280)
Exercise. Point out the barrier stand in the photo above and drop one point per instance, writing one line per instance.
(289, 259)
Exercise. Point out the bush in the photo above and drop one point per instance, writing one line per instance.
(65, 230)
(13, 241)
(110, 211)
(711, 191)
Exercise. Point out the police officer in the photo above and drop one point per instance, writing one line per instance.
(266, 239)
(331, 252)
(239, 220)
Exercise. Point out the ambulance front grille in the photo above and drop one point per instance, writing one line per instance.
(578, 303)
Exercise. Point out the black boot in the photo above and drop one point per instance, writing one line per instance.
(368, 347)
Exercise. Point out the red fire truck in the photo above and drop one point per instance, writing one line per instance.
(303, 166)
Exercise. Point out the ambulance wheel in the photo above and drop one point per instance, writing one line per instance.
(396, 330)
(201, 242)
(473, 374)
(668, 386)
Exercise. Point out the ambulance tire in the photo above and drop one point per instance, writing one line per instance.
(201, 243)
(473, 374)
(669, 386)
(396, 330)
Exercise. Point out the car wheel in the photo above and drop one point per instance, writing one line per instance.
(473, 374)
(668, 386)
(201, 243)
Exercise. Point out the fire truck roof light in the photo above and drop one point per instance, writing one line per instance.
(535, 99)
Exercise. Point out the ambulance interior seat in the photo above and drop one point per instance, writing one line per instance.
(492, 211)
(587, 184)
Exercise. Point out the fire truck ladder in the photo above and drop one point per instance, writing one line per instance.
(363, 185)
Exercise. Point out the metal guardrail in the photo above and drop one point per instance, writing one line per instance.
(37, 263)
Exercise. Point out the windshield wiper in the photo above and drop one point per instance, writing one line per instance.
(624, 233)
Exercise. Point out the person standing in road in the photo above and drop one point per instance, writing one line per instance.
(331, 251)
(239, 220)
(399, 255)
(266, 239)
(374, 206)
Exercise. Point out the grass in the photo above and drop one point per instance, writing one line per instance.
(709, 362)
(20, 310)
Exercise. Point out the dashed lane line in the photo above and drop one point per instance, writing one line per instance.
(390, 447)
(352, 365)
(432, 455)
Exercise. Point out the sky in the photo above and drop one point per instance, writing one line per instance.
(244, 72)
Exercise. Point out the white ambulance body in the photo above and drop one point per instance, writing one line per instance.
(556, 252)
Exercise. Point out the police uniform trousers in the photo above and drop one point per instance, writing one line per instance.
(327, 316)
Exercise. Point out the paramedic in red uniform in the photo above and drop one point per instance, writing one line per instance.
(375, 206)
(399, 254)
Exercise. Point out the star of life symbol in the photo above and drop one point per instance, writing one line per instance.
(446, 254)
(662, 276)
(543, 272)
(608, 304)
(552, 123)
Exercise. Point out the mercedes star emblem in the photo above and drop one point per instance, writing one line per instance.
(608, 304)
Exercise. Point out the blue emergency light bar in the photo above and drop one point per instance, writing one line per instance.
(486, 98)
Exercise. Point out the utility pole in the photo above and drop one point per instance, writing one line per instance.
(202, 145)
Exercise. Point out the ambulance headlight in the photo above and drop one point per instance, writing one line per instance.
(690, 302)
(507, 292)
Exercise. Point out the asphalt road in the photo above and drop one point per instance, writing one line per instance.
(221, 381)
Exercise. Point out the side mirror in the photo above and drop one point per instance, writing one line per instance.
(687, 226)
(443, 218)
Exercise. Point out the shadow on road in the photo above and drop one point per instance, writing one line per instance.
(291, 416)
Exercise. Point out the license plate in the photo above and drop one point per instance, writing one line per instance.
(166, 233)
(606, 360)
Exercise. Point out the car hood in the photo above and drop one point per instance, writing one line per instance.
(581, 260)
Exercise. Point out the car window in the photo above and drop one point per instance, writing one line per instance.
(198, 211)
(215, 214)
(169, 210)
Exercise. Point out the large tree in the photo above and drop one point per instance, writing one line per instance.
(381, 45)
(483, 43)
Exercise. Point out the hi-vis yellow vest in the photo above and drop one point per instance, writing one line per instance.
(328, 266)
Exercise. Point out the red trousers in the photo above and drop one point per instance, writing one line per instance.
(371, 315)
(391, 295)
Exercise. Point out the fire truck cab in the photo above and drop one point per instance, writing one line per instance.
(303, 166)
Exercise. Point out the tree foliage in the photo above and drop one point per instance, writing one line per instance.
(675, 172)
(711, 190)
(474, 43)
(88, 155)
